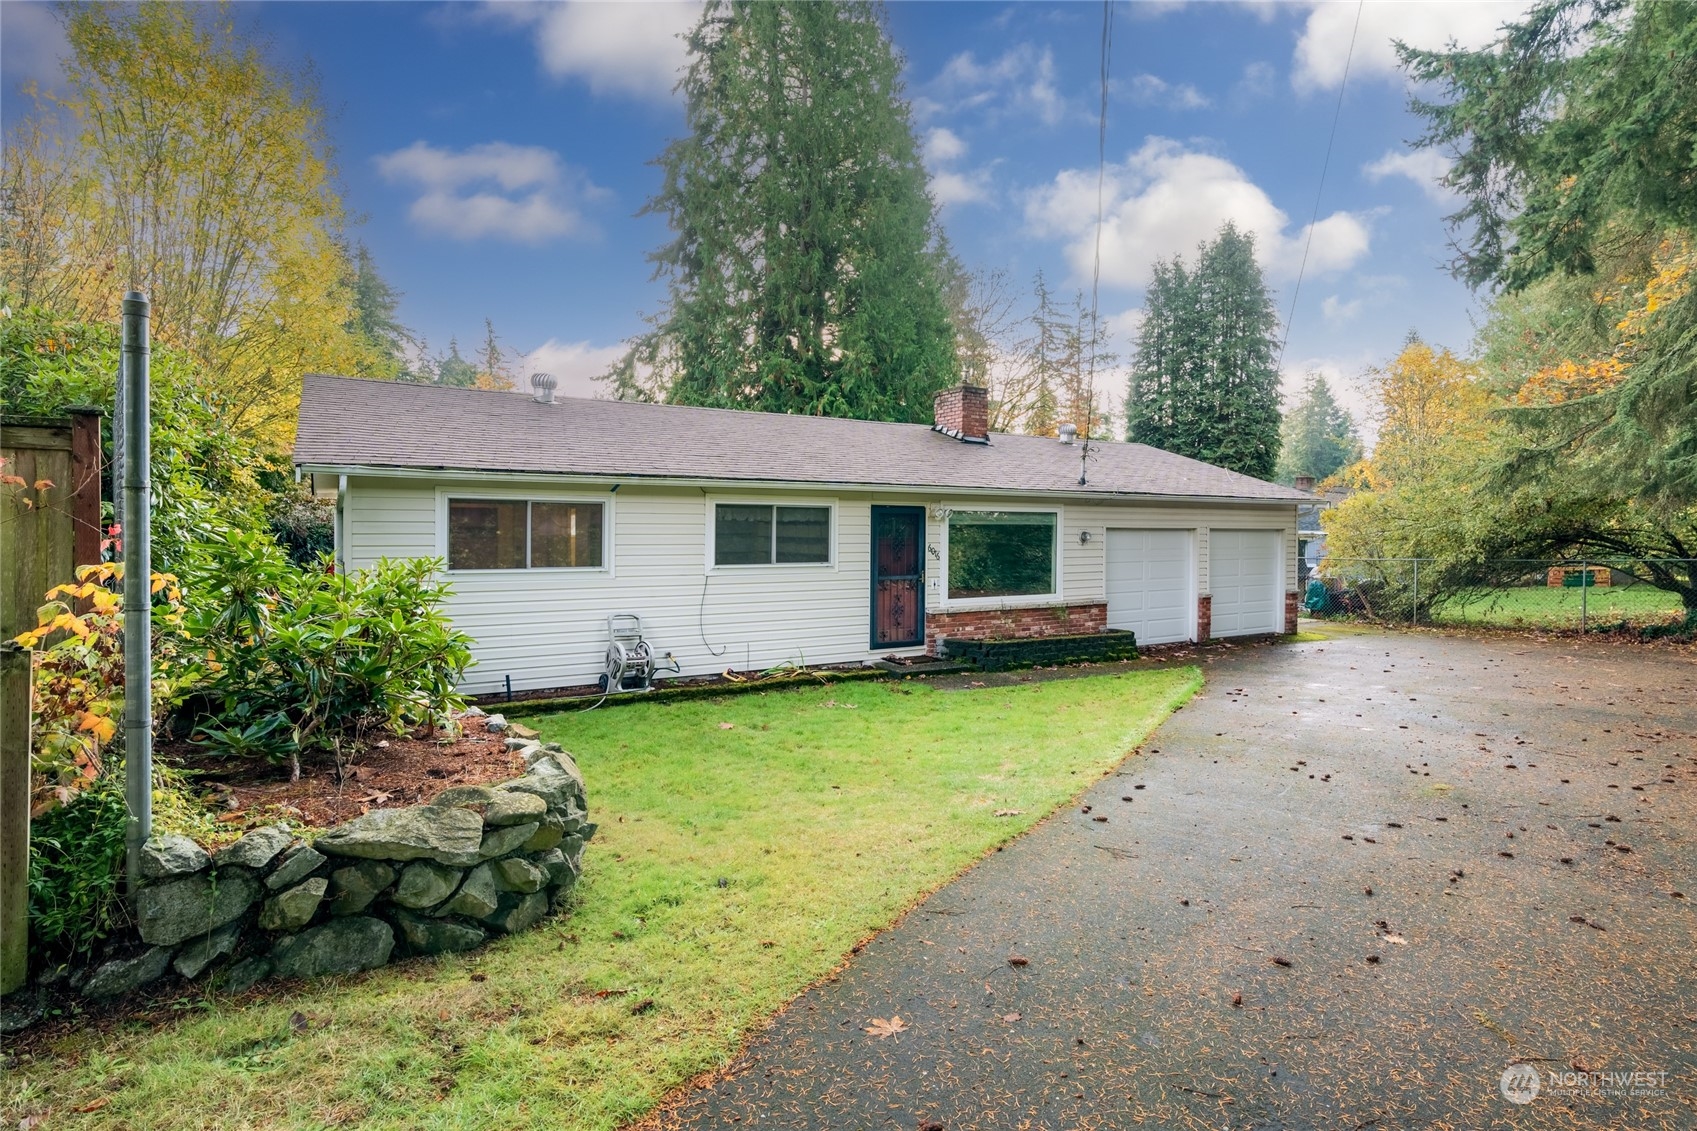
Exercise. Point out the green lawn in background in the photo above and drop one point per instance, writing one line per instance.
(746, 844)
(1550, 607)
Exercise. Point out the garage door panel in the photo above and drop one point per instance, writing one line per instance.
(1244, 578)
(1148, 581)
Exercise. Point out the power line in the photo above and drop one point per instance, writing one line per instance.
(1096, 270)
(1324, 165)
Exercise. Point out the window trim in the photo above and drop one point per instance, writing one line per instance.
(710, 519)
(945, 603)
(492, 494)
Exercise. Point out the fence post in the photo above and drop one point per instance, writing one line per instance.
(1584, 595)
(138, 595)
(1416, 618)
(14, 815)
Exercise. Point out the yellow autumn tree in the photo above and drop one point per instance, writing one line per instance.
(1412, 494)
(179, 163)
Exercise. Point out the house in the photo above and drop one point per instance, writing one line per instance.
(746, 540)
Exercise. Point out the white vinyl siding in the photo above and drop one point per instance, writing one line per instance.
(548, 628)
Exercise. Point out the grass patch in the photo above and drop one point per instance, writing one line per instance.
(1550, 607)
(735, 866)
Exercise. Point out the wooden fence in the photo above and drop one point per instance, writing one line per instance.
(49, 525)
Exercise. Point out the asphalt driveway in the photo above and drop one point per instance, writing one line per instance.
(1348, 886)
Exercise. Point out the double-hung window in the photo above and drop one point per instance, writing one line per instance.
(524, 534)
(996, 554)
(768, 534)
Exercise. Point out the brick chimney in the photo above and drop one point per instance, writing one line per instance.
(1304, 483)
(964, 413)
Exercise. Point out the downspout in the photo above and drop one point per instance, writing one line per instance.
(341, 532)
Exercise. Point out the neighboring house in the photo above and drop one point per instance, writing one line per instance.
(746, 540)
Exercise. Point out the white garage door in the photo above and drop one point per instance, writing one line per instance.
(1243, 575)
(1149, 584)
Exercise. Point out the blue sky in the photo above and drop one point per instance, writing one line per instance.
(497, 154)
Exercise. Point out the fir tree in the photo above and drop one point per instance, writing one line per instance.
(374, 320)
(453, 369)
(1319, 436)
(1204, 382)
(803, 270)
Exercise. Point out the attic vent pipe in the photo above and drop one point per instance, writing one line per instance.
(1069, 433)
(542, 386)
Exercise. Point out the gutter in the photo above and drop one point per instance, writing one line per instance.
(569, 479)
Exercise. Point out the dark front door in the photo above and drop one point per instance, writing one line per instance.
(898, 576)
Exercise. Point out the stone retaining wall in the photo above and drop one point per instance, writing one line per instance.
(476, 862)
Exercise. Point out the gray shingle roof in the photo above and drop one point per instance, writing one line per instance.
(347, 422)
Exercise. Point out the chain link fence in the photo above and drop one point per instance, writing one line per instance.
(1580, 595)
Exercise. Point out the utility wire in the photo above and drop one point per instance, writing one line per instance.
(1324, 165)
(1096, 270)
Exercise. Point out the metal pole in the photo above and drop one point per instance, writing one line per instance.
(1584, 594)
(138, 597)
(1416, 591)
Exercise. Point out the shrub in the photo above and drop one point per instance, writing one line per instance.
(205, 476)
(76, 860)
(297, 662)
(79, 677)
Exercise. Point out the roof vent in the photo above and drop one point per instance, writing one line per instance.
(542, 387)
(1069, 433)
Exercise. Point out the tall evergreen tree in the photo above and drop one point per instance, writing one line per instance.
(453, 369)
(804, 266)
(375, 321)
(1204, 382)
(1319, 436)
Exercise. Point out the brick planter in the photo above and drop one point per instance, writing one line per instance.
(1000, 655)
(1014, 624)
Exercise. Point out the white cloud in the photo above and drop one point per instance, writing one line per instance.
(575, 364)
(32, 45)
(940, 150)
(1324, 43)
(1337, 311)
(943, 146)
(1424, 167)
(626, 48)
(522, 193)
(1152, 90)
(1021, 80)
(1256, 83)
(1164, 199)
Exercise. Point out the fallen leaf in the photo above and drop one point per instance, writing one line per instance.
(1237, 1001)
(298, 1022)
(92, 1105)
(1396, 940)
(1018, 960)
(642, 1006)
(1280, 960)
(1009, 812)
(727, 726)
(881, 1028)
(1010, 1018)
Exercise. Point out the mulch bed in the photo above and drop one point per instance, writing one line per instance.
(394, 772)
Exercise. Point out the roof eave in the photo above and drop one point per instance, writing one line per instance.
(939, 489)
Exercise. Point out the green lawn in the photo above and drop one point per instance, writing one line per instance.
(1544, 607)
(736, 865)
